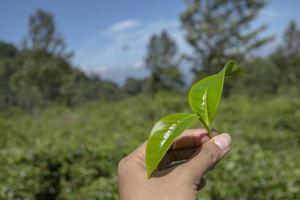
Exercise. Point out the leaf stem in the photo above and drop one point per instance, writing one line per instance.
(209, 131)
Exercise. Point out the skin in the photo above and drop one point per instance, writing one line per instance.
(172, 182)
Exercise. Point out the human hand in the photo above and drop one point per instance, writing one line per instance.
(172, 182)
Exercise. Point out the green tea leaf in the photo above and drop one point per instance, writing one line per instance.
(205, 95)
(163, 134)
(204, 99)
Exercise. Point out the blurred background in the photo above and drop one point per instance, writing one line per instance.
(83, 82)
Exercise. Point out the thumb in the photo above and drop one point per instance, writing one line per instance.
(207, 156)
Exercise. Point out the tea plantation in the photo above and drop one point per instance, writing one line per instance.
(72, 153)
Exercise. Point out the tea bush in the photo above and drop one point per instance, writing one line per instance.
(72, 153)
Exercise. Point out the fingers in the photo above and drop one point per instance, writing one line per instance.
(185, 146)
(207, 156)
(176, 155)
(191, 138)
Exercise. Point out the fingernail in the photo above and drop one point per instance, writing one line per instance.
(222, 141)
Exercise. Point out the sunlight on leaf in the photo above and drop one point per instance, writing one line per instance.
(204, 98)
(205, 95)
(162, 136)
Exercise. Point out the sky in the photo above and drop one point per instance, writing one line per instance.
(110, 37)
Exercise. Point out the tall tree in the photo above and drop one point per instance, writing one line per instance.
(220, 29)
(38, 78)
(43, 36)
(133, 86)
(7, 50)
(8, 66)
(287, 57)
(162, 61)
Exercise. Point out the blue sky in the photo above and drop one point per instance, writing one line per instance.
(110, 37)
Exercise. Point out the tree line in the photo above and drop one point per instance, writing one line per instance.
(40, 72)
(218, 31)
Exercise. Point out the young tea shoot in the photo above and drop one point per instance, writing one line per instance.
(204, 98)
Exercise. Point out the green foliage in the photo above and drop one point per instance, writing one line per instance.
(205, 95)
(260, 164)
(72, 152)
(38, 78)
(261, 79)
(66, 153)
(204, 98)
(162, 61)
(41, 74)
(43, 36)
(8, 62)
(32, 78)
(134, 86)
(287, 59)
(7, 50)
(164, 132)
(217, 30)
(278, 73)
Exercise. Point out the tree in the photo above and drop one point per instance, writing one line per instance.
(7, 50)
(219, 30)
(162, 61)
(287, 58)
(41, 74)
(8, 63)
(43, 36)
(38, 78)
(261, 79)
(133, 86)
(78, 87)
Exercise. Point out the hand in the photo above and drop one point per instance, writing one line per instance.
(169, 182)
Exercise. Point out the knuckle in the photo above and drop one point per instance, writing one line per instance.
(122, 165)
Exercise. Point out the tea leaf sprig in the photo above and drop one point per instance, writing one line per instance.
(204, 98)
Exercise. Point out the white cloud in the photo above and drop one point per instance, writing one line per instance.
(123, 25)
(116, 63)
(101, 70)
(140, 64)
(136, 40)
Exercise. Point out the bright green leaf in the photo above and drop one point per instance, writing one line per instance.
(204, 99)
(163, 134)
(205, 95)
